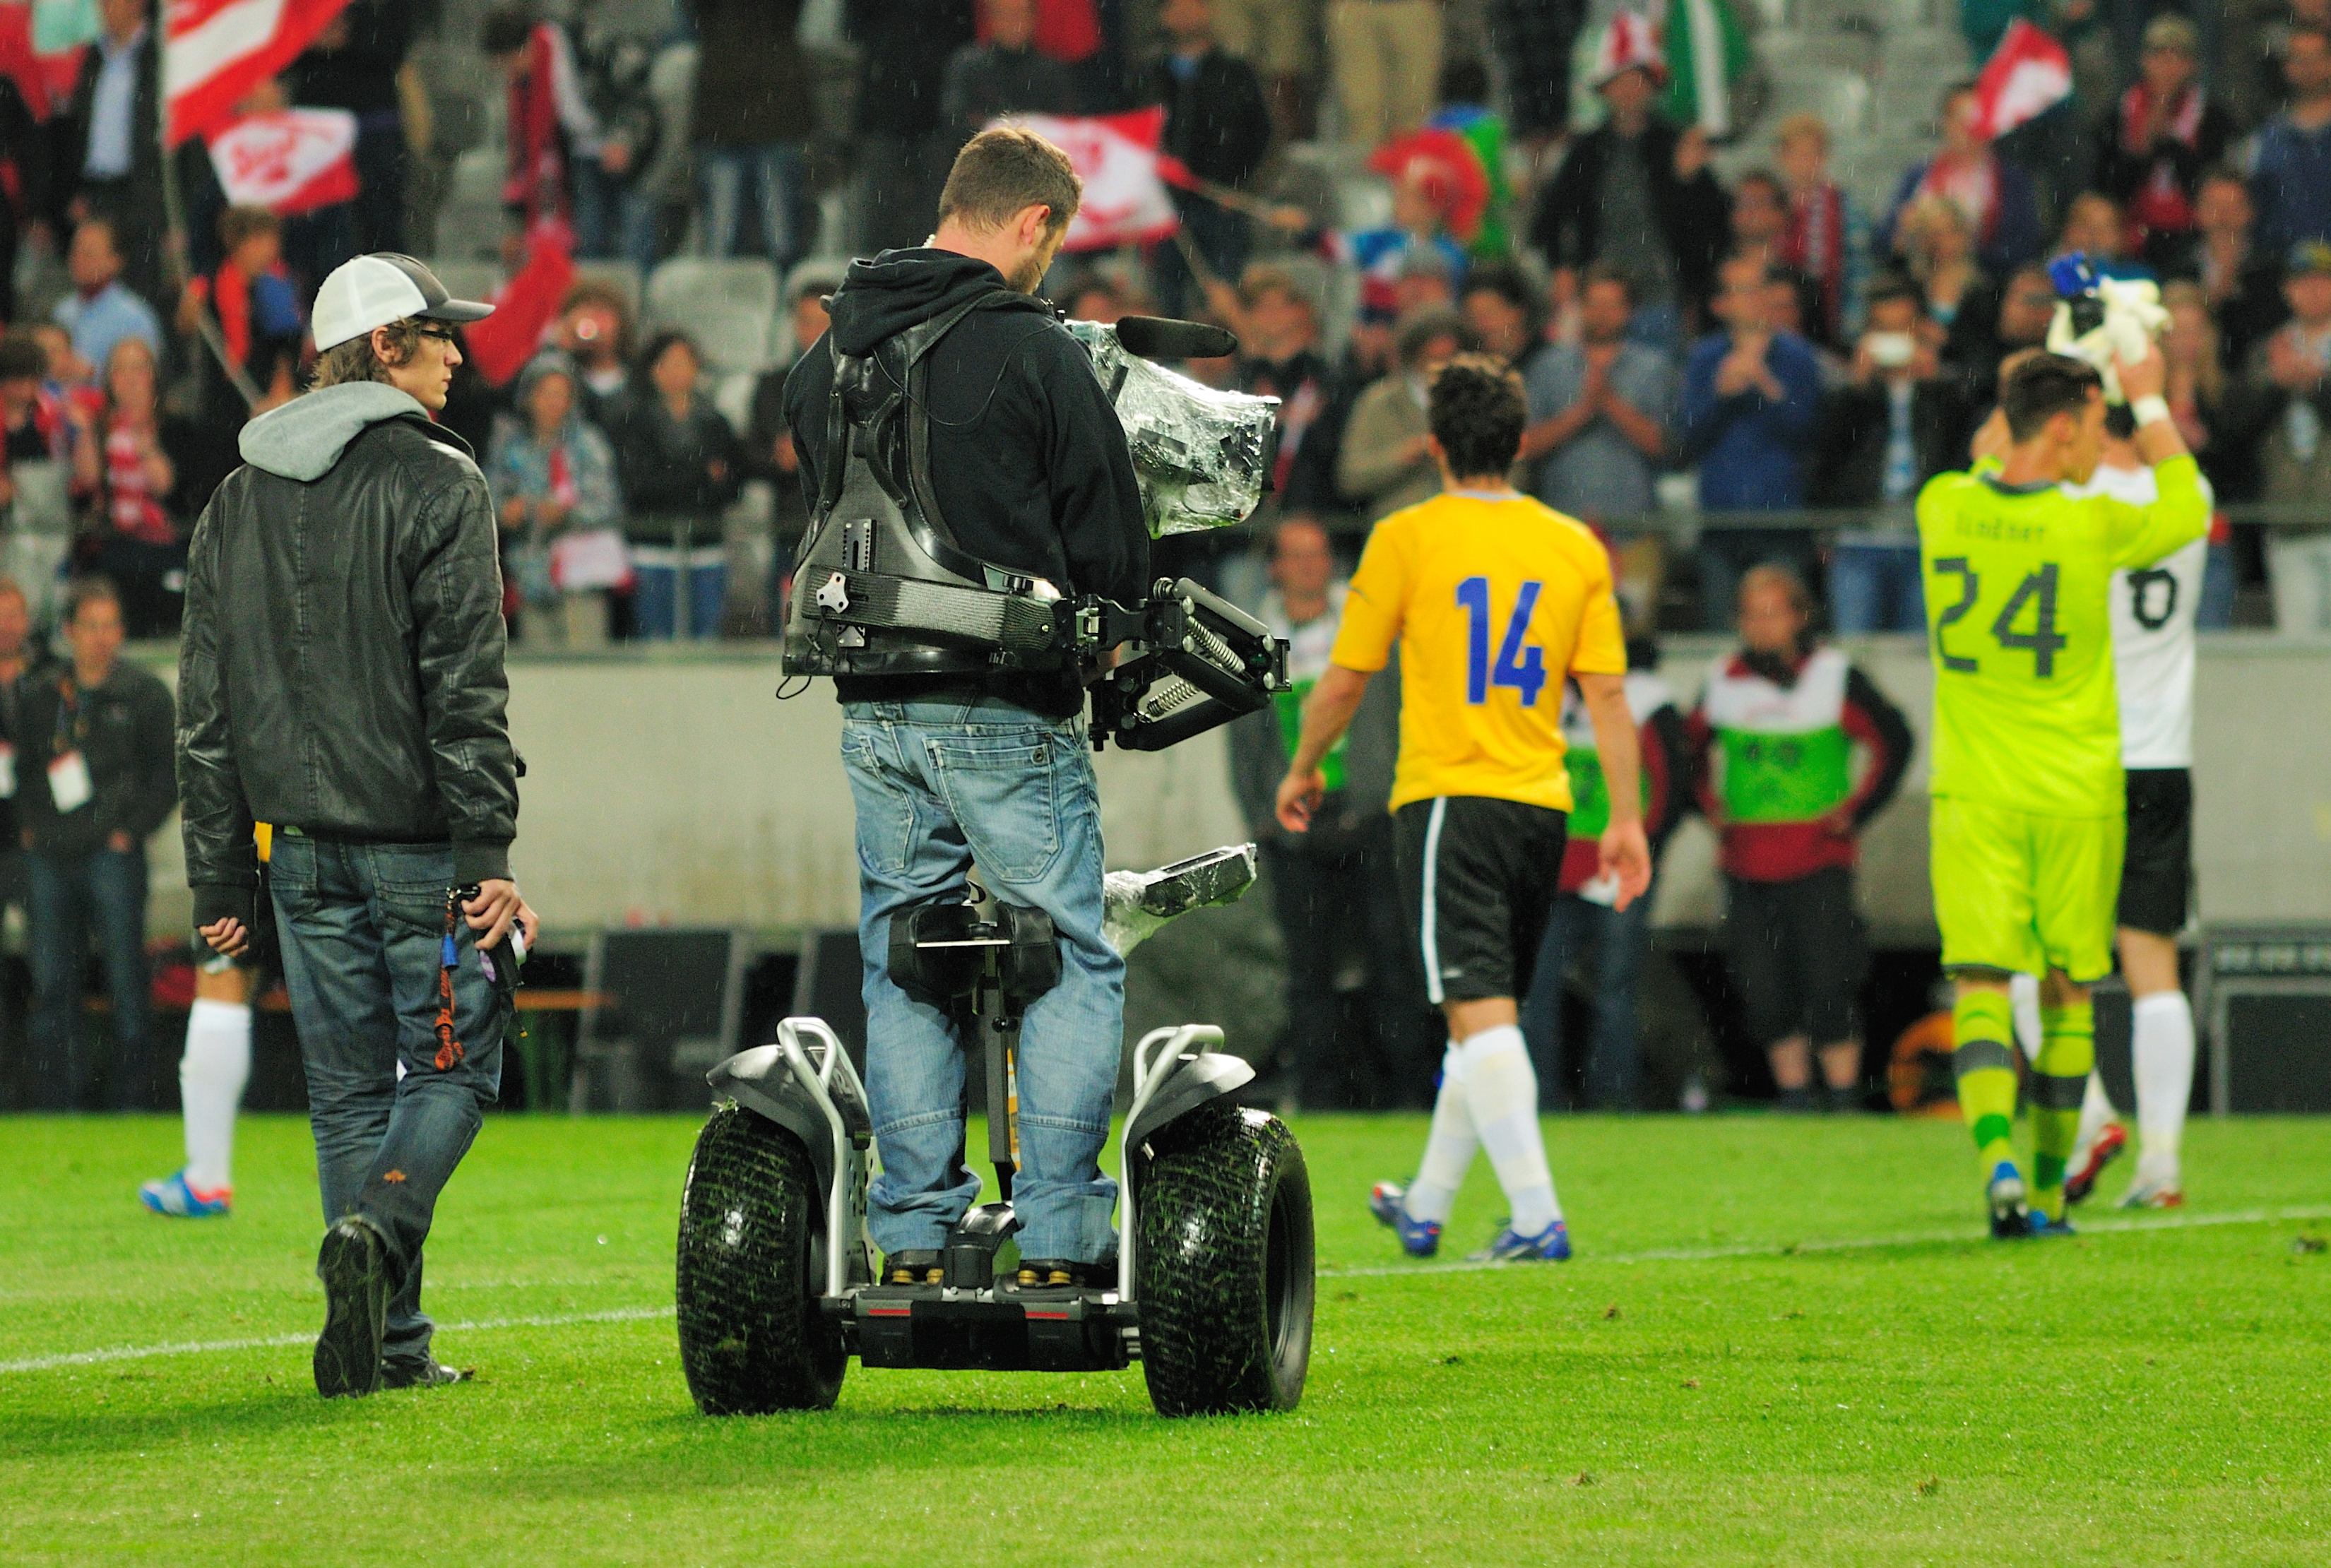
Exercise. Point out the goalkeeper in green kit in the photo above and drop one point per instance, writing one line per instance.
(2028, 794)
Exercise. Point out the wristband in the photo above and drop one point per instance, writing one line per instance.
(2150, 410)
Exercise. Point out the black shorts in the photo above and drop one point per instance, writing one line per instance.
(1796, 955)
(2157, 870)
(1479, 879)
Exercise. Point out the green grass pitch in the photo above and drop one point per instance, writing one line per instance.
(1782, 1342)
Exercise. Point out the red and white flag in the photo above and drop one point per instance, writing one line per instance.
(1117, 156)
(217, 51)
(2026, 76)
(293, 161)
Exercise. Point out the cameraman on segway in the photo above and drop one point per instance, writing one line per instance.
(1027, 463)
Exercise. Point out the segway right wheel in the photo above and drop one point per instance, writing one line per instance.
(1223, 1264)
(752, 1338)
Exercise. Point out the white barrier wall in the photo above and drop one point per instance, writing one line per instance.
(671, 787)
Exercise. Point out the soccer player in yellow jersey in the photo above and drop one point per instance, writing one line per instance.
(1493, 599)
(2029, 801)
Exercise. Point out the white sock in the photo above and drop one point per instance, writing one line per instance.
(1448, 1151)
(1501, 1088)
(2023, 1001)
(2163, 1046)
(211, 1077)
(2096, 1113)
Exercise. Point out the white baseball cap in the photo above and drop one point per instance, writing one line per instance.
(374, 290)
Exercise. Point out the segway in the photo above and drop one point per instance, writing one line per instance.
(778, 1286)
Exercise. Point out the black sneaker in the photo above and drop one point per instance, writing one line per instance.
(914, 1266)
(353, 1264)
(426, 1372)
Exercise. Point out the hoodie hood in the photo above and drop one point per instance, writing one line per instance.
(304, 438)
(882, 297)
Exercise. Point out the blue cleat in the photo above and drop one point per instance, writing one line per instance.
(2010, 1218)
(1551, 1245)
(2043, 1226)
(1418, 1238)
(171, 1195)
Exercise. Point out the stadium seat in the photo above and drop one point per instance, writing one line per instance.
(1851, 49)
(1839, 96)
(728, 307)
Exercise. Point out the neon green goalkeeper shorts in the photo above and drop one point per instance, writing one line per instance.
(2024, 893)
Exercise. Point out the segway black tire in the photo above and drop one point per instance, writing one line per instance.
(1223, 1264)
(752, 1337)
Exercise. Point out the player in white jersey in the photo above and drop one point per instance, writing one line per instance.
(2152, 615)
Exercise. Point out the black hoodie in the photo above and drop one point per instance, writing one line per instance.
(1028, 459)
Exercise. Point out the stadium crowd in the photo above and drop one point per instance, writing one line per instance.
(1707, 317)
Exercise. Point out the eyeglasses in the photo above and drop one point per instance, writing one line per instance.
(442, 334)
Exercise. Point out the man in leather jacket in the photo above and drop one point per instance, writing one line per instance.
(340, 677)
(1030, 472)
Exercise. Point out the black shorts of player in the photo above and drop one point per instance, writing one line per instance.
(1479, 877)
(1796, 955)
(2157, 870)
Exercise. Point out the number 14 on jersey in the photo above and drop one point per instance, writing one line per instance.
(1519, 667)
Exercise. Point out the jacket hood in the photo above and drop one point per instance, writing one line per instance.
(882, 297)
(304, 438)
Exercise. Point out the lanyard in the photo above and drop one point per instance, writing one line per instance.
(71, 721)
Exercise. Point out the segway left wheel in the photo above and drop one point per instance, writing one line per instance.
(752, 1338)
(1223, 1264)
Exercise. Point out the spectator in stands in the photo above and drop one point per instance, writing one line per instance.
(1321, 888)
(548, 122)
(1278, 329)
(1279, 38)
(616, 203)
(1749, 415)
(134, 466)
(251, 308)
(102, 310)
(1937, 245)
(905, 46)
(749, 124)
(1778, 723)
(1995, 193)
(1901, 420)
(353, 64)
(595, 332)
(24, 170)
(100, 777)
(1792, 299)
(2291, 172)
(1218, 124)
(32, 418)
(1599, 411)
(1533, 39)
(1826, 234)
(105, 158)
(1508, 316)
(1583, 925)
(2194, 351)
(1387, 65)
(1760, 215)
(22, 662)
(2241, 280)
(1386, 463)
(2284, 402)
(2151, 153)
(1004, 74)
(769, 441)
(2094, 228)
(552, 477)
(680, 466)
(1638, 193)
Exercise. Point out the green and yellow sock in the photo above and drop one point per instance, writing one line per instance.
(1984, 1061)
(2068, 1052)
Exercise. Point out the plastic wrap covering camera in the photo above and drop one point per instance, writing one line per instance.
(1200, 454)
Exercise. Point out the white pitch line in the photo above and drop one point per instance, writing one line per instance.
(272, 1341)
(1849, 1244)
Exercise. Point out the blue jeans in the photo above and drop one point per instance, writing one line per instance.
(938, 785)
(1614, 1061)
(769, 178)
(67, 895)
(613, 217)
(1876, 587)
(655, 599)
(362, 928)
